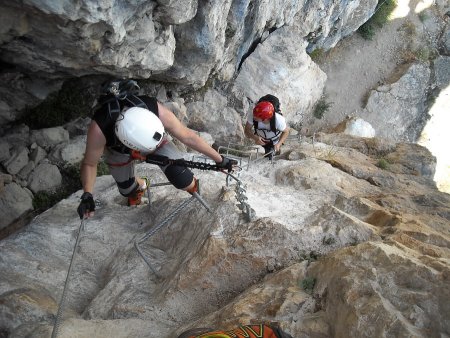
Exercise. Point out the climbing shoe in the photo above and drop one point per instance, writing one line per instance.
(138, 197)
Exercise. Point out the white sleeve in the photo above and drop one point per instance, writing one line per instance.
(280, 122)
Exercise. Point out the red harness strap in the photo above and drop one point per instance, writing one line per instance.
(135, 155)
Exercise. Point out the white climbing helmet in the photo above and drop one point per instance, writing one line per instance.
(139, 129)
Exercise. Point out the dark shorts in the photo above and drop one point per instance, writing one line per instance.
(122, 169)
(268, 147)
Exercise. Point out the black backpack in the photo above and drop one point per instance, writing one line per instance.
(120, 90)
(276, 104)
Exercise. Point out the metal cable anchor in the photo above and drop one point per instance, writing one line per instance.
(64, 295)
(167, 219)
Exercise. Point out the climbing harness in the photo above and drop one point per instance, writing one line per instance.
(63, 296)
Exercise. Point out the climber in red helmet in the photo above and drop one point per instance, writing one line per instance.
(269, 126)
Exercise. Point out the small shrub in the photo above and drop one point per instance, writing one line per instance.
(308, 284)
(383, 164)
(327, 153)
(316, 54)
(408, 27)
(383, 12)
(102, 169)
(423, 54)
(423, 16)
(407, 56)
(43, 200)
(379, 18)
(321, 107)
(367, 31)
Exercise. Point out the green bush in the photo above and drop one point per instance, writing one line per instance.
(423, 54)
(316, 54)
(44, 200)
(383, 164)
(423, 16)
(383, 12)
(321, 107)
(102, 169)
(367, 31)
(379, 18)
(308, 284)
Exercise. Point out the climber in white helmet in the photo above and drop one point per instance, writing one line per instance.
(126, 122)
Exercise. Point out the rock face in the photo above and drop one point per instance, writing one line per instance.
(401, 104)
(350, 237)
(180, 40)
(339, 247)
(14, 202)
(32, 160)
(181, 43)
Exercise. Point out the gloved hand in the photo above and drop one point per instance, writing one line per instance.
(227, 163)
(87, 205)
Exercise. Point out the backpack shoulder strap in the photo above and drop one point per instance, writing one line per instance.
(136, 101)
(255, 125)
(112, 104)
(273, 121)
(114, 107)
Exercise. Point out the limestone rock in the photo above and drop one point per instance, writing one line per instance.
(212, 115)
(14, 202)
(327, 242)
(49, 137)
(442, 70)
(356, 127)
(37, 153)
(400, 108)
(45, 177)
(70, 152)
(17, 161)
(4, 151)
(386, 289)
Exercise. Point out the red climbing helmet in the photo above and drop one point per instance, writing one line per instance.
(263, 110)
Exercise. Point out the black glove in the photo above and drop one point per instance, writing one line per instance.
(227, 163)
(87, 204)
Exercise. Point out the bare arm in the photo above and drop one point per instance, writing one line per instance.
(283, 137)
(95, 145)
(186, 135)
